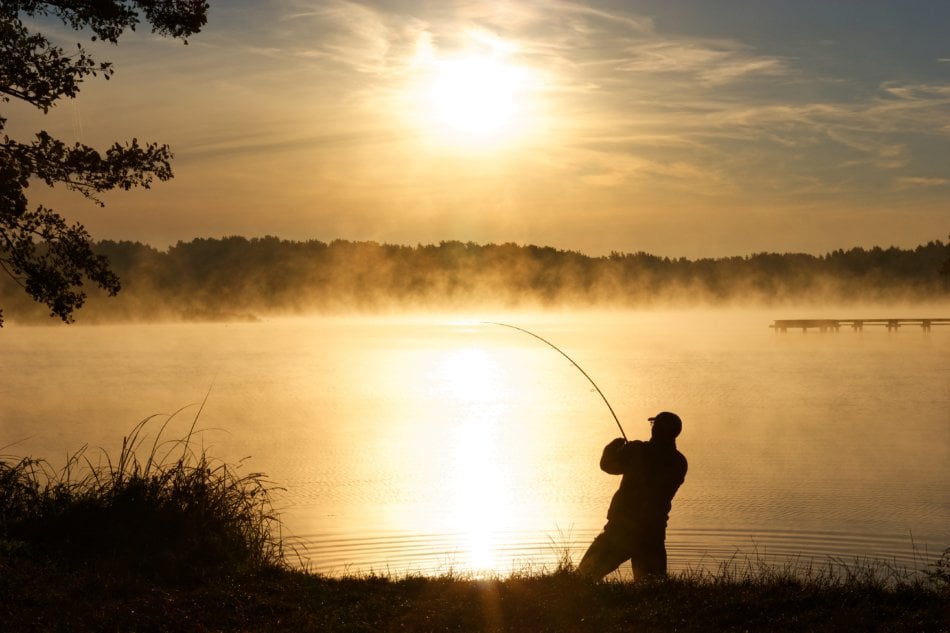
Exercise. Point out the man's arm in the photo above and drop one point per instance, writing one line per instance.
(612, 459)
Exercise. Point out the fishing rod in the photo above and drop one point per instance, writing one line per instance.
(579, 368)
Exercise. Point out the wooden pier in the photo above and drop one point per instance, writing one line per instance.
(857, 325)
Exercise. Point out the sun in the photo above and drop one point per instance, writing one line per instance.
(476, 96)
(481, 96)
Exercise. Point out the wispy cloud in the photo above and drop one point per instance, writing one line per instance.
(350, 34)
(709, 62)
(645, 100)
(918, 182)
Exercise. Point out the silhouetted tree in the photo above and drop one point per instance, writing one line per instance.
(38, 249)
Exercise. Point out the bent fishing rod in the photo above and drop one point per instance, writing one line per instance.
(579, 368)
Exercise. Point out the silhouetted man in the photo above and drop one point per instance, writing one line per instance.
(636, 521)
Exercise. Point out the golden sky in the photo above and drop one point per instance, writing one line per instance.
(677, 127)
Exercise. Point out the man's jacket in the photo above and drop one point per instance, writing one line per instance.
(652, 473)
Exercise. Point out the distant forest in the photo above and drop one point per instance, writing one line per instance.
(239, 278)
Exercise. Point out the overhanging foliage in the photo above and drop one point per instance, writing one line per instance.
(46, 256)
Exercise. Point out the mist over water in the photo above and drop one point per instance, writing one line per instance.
(427, 443)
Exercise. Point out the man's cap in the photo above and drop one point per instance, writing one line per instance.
(667, 424)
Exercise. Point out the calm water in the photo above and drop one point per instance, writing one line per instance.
(424, 444)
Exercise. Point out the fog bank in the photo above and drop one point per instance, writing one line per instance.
(237, 278)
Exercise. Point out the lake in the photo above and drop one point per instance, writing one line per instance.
(427, 444)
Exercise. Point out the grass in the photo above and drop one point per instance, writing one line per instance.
(166, 512)
(163, 538)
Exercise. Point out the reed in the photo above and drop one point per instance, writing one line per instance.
(159, 508)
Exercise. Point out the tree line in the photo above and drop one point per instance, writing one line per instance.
(237, 277)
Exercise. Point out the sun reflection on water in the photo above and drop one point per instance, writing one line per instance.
(480, 502)
(470, 374)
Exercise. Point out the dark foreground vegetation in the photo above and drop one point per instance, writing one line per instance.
(163, 539)
(235, 277)
(51, 597)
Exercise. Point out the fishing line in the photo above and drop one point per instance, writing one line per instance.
(579, 368)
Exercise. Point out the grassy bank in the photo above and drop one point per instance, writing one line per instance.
(164, 539)
(51, 596)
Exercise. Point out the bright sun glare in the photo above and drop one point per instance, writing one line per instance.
(476, 95)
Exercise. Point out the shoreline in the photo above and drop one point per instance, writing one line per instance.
(52, 597)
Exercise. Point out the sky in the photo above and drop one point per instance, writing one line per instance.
(683, 128)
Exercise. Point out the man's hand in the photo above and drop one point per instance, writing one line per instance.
(611, 460)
